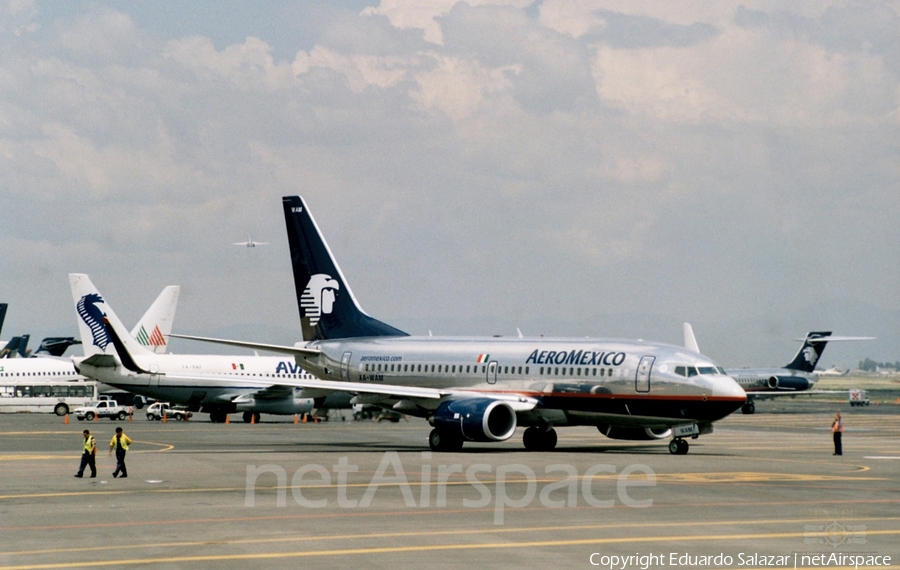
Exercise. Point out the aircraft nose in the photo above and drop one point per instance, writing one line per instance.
(727, 387)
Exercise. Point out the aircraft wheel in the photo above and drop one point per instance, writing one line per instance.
(444, 441)
(748, 408)
(247, 417)
(532, 438)
(549, 439)
(537, 438)
(679, 447)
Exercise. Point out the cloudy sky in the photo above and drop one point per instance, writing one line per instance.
(585, 167)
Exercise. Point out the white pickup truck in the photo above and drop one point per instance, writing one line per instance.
(102, 409)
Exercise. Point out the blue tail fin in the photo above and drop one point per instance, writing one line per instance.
(327, 307)
(56, 345)
(810, 352)
(17, 347)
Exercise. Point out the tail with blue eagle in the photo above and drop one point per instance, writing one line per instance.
(91, 311)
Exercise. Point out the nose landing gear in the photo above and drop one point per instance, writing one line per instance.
(678, 446)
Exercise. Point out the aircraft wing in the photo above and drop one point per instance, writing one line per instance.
(274, 392)
(517, 402)
(281, 349)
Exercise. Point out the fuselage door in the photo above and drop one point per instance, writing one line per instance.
(492, 372)
(345, 366)
(642, 377)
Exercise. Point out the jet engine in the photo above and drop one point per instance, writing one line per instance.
(476, 419)
(281, 406)
(794, 383)
(634, 433)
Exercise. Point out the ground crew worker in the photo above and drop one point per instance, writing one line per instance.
(837, 428)
(88, 455)
(120, 443)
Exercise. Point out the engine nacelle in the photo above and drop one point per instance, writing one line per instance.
(789, 383)
(634, 433)
(476, 419)
(282, 406)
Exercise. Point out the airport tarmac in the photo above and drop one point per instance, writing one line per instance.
(764, 490)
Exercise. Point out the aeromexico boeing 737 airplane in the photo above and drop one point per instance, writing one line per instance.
(480, 389)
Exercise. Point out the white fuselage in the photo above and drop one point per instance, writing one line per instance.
(214, 381)
(38, 370)
(577, 381)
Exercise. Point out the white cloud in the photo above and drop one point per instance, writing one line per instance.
(360, 70)
(248, 66)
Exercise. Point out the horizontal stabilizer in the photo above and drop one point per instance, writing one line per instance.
(835, 338)
(100, 361)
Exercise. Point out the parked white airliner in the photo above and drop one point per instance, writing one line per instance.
(151, 331)
(253, 386)
(480, 389)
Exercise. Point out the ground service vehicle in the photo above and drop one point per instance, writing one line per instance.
(37, 396)
(858, 397)
(102, 409)
(158, 410)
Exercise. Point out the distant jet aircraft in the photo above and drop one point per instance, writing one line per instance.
(481, 388)
(833, 371)
(250, 242)
(798, 376)
(17, 347)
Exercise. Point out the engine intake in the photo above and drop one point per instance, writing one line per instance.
(476, 419)
(634, 433)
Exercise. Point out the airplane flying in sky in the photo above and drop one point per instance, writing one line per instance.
(214, 384)
(481, 388)
(157, 319)
(250, 242)
(798, 376)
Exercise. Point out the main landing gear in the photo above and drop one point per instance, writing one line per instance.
(748, 408)
(538, 438)
(678, 446)
(440, 440)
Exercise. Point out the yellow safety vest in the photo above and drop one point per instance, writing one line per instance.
(125, 441)
(89, 444)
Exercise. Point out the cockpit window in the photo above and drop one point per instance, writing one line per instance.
(689, 371)
(721, 371)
